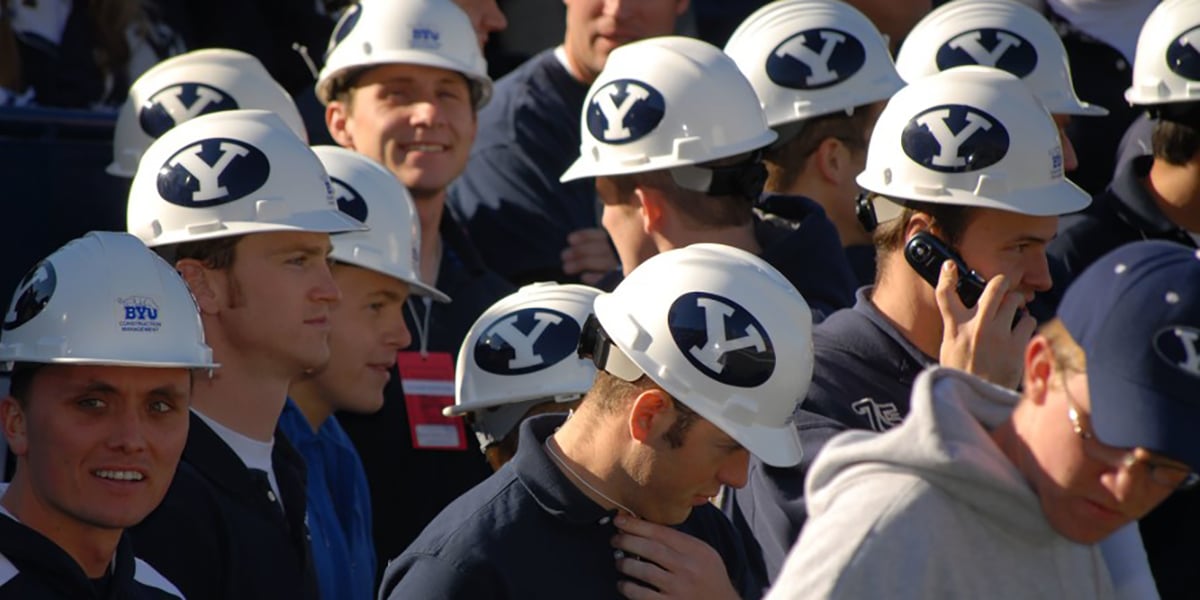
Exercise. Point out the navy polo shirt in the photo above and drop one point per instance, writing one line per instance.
(527, 532)
(863, 372)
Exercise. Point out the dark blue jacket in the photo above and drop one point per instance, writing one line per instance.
(1123, 213)
(529, 533)
(219, 534)
(863, 373)
(32, 566)
(509, 198)
(339, 506)
(800, 241)
(859, 260)
(410, 486)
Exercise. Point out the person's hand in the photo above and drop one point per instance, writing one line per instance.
(983, 340)
(589, 255)
(676, 564)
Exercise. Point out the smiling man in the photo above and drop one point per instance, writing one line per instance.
(402, 86)
(701, 352)
(984, 493)
(97, 421)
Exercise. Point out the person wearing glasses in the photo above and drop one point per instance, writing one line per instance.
(986, 493)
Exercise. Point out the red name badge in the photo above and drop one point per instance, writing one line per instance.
(428, 388)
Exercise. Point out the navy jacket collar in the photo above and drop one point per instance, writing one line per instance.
(549, 486)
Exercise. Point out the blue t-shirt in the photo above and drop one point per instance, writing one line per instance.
(339, 506)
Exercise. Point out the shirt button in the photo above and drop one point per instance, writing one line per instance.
(271, 495)
(605, 520)
(618, 554)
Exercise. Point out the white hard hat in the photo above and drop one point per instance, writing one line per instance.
(807, 58)
(187, 86)
(970, 136)
(1166, 69)
(104, 299)
(666, 102)
(721, 331)
(520, 352)
(231, 173)
(370, 193)
(1001, 34)
(431, 33)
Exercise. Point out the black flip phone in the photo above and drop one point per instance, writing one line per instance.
(926, 253)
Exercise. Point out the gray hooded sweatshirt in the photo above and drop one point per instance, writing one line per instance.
(933, 509)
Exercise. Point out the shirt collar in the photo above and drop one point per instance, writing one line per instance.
(548, 486)
(864, 306)
(1136, 204)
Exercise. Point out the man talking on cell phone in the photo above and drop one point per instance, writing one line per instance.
(974, 160)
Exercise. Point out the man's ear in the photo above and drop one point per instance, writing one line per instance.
(653, 208)
(918, 222)
(649, 415)
(1039, 368)
(831, 158)
(12, 420)
(337, 118)
(208, 286)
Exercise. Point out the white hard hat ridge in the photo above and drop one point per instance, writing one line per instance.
(431, 33)
(666, 102)
(1002, 34)
(724, 333)
(970, 136)
(186, 86)
(807, 58)
(367, 192)
(230, 173)
(104, 299)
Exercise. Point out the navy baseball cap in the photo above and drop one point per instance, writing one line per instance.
(1136, 314)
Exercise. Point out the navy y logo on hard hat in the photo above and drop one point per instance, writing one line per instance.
(212, 172)
(955, 138)
(815, 59)
(1178, 346)
(1183, 55)
(344, 26)
(996, 48)
(33, 294)
(181, 102)
(349, 200)
(721, 339)
(527, 340)
(624, 111)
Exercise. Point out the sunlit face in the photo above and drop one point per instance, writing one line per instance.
(367, 331)
(999, 242)
(1086, 490)
(596, 27)
(486, 17)
(622, 219)
(417, 121)
(276, 300)
(96, 446)
(673, 481)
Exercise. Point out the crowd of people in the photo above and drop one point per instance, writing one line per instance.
(818, 314)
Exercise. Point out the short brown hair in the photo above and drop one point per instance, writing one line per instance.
(785, 162)
(1068, 354)
(696, 208)
(949, 220)
(213, 254)
(611, 394)
(1175, 142)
